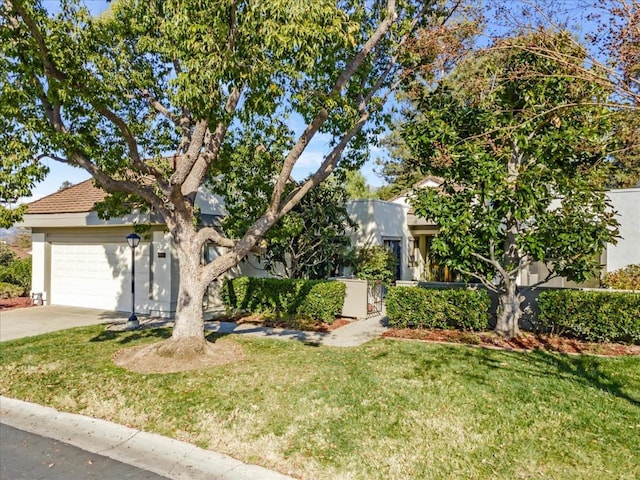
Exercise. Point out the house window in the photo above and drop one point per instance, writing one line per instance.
(396, 247)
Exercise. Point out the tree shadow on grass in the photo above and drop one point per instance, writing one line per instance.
(124, 337)
(586, 370)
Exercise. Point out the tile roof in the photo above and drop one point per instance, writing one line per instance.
(79, 198)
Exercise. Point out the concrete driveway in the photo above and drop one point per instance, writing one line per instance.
(27, 322)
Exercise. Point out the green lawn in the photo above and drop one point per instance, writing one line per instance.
(388, 410)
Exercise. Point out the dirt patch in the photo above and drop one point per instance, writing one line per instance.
(526, 342)
(16, 302)
(302, 324)
(154, 358)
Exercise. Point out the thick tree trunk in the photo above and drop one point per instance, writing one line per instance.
(189, 322)
(509, 311)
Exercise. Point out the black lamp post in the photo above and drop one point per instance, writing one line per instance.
(133, 240)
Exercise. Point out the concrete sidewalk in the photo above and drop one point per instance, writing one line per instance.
(30, 321)
(351, 335)
(166, 457)
(25, 322)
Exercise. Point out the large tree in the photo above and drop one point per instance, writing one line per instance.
(522, 143)
(212, 85)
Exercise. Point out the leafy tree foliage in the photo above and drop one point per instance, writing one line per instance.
(311, 242)
(521, 143)
(376, 263)
(356, 186)
(19, 172)
(6, 255)
(214, 85)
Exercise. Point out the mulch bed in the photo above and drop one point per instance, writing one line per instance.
(526, 342)
(11, 303)
(278, 323)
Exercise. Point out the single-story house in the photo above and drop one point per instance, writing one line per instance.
(81, 260)
(394, 223)
(84, 261)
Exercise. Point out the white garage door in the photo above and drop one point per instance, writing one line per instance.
(98, 276)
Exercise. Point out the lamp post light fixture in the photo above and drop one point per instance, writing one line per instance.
(133, 240)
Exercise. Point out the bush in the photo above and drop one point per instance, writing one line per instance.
(627, 278)
(18, 273)
(376, 263)
(6, 255)
(324, 301)
(315, 299)
(591, 316)
(8, 290)
(417, 307)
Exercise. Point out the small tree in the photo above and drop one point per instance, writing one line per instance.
(64, 185)
(311, 242)
(520, 142)
(357, 187)
(376, 263)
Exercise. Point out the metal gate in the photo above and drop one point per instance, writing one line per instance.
(375, 292)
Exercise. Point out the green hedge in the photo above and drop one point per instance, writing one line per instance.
(315, 299)
(425, 308)
(592, 316)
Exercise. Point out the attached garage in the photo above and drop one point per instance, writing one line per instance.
(98, 275)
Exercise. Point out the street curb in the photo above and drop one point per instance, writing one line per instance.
(164, 456)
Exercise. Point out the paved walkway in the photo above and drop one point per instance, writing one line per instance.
(167, 457)
(351, 335)
(27, 322)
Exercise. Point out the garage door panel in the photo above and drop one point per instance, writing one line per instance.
(98, 276)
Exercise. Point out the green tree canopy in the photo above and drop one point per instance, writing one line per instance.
(312, 241)
(521, 142)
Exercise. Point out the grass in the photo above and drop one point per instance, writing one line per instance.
(386, 410)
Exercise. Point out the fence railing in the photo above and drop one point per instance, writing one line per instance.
(375, 295)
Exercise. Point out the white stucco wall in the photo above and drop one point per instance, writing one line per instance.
(626, 202)
(164, 291)
(378, 221)
(40, 261)
(209, 203)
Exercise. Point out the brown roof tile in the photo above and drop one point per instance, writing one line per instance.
(79, 198)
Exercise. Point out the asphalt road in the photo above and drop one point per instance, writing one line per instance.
(26, 456)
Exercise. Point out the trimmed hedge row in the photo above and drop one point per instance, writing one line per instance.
(425, 308)
(591, 316)
(316, 299)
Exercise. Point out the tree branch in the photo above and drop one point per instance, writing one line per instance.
(323, 114)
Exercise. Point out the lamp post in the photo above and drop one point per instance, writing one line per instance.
(133, 240)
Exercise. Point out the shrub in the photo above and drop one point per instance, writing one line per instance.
(6, 255)
(324, 301)
(375, 263)
(627, 278)
(18, 273)
(8, 290)
(591, 316)
(425, 308)
(315, 299)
